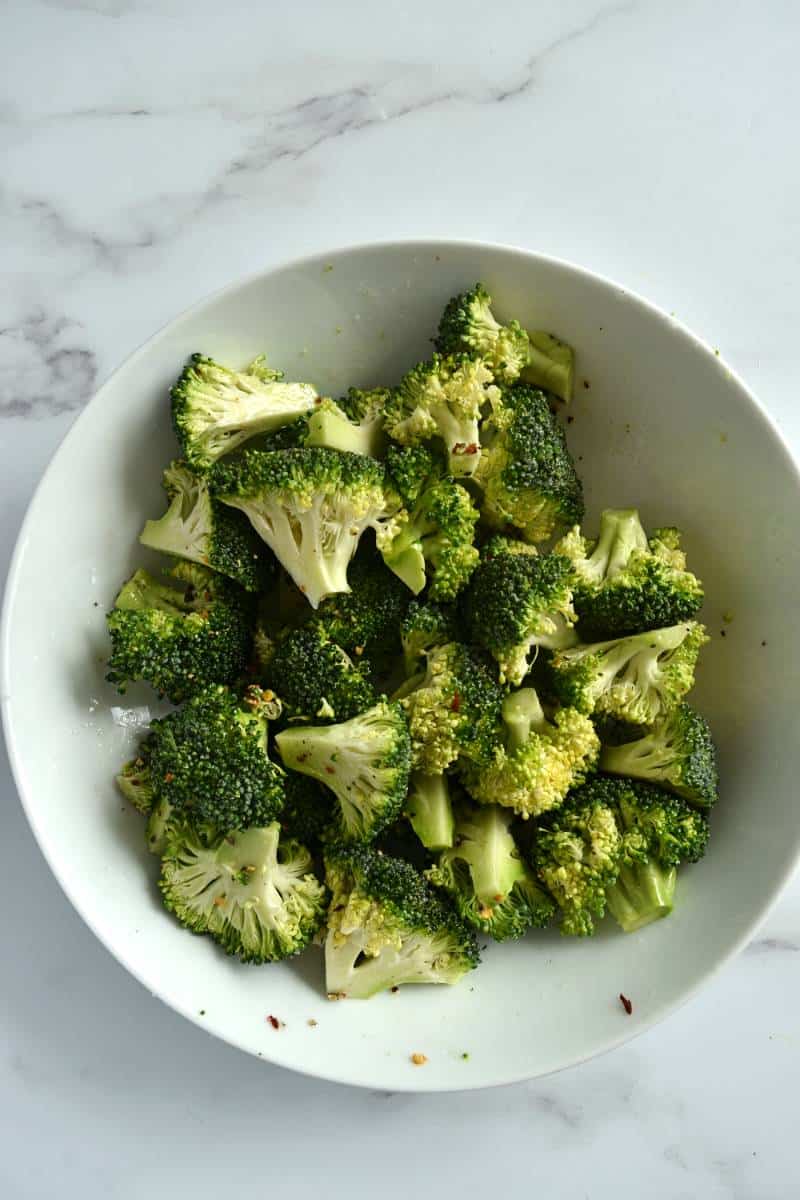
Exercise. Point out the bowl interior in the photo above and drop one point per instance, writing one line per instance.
(658, 423)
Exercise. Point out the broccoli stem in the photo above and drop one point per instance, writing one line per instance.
(551, 364)
(337, 432)
(621, 533)
(643, 892)
(522, 715)
(430, 810)
(646, 758)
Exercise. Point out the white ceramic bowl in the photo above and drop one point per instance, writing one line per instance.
(659, 423)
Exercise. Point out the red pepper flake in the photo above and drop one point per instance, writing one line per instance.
(456, 702)
(274, 1022)
(168, 778)
(626, 1004)
(330, 770)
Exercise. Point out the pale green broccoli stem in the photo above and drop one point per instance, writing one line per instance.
(142, 591)
(407, 560)
(329, 426)
(637, 656)
(620, 534)
(430, 810)
(522, 715)
(643, 893)
(185, 525)
(551, 364)
(462, 439)
(648, 755)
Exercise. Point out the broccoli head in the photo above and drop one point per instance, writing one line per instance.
(516, 603)
(367, 618)
(135, 780)
(329, 425)
(202, 530)
(443, 399)
(316, 678)
(310, 506)
(625, 583)
(491, 887)
(387, 927)
(364, 404)
(525, 470)
(426, 625)
(577, 857)
(209, 758)
(308, 809)
(540, 760)
(179, 638)
(252, 891)
(678, 753)
(635, 679)
(430, 810)
(468, 324)
(454, 709)
(364, 761)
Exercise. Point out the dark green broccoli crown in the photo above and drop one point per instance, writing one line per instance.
(368, 617)
(209, 758)
(510, 596)
(409, 468)
(179, 640)
(315, 678)
(308, 809)
(235, 550)
(468, 323)
(304, 472)
(648, 594)
(362, 404)
(401, 890)
(653, 824)
(288, 437)
(425, 625)
(678, 754)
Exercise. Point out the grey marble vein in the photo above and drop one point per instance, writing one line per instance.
(44, 368)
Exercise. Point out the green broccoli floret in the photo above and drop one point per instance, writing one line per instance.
(308, 809)
(135, 780)
(252, 891)
(209, 758)
(409, 470)
(445, 399)
(525, 470)
(454, 709)
(434, 536)
(363, 404)
(387, 927)
(550, 365)
(366, 619)
(426, 625)
(516, 603)
(310, 506)
(364, 761)
(178, 639)
(625, 583)
(329, 425)
(316, 679)
(540, 761)
(200, 529)
(635, 679)
(491, 887)
(468, 324)
(430, 810)
(678, 753)
(215, 409)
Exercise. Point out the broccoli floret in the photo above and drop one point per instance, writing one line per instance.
(252, 891)
(625, 583)
(409, 469)
(364, 404)
(366, 619)
(329, 425)
(678, 754)
(317, 679)
(443, 398)
(386, 927)
(454, 709)
(178, 639)
(635, 679)
(426, 625)
(308, 809)
(551, 364)
(215, 409)
(434, 536)
(540, 761)
(430, 810)
(364, 761)
(200, 529)
(209, 758)
(135, 779)
(484, 874)
(468, 324)
(525, 470)
(516, 603)
(310, 506)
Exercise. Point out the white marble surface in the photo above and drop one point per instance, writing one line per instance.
(154, 150)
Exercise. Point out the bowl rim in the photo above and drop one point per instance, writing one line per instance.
(411, 244)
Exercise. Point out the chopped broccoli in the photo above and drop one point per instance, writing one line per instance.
(316, 679)
(200, 529)
(625, 583)
(329, 425)
(516, 603)
(209, 758)
(468, 324)
(366, 619)
(635, 679)
(577, 857)
(215, 409)
(443, 398)
(484, 874)
(525, 470)
(252, 891)
(425, 626)
(409, 470)
(386, 927)
(310, 506)
(364, 761)
(135, 780)
(454, 709)
(430, 810)
(307, 810)
(678, 753)
(178, 639)
(540, 761)
(551, 364)
(364, 404)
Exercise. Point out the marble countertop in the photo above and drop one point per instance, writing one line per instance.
(154, 150)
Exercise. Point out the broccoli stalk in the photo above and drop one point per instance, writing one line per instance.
(678, 754)
(642, 893)
(430, 810)
(329, 426)
(550, 365)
